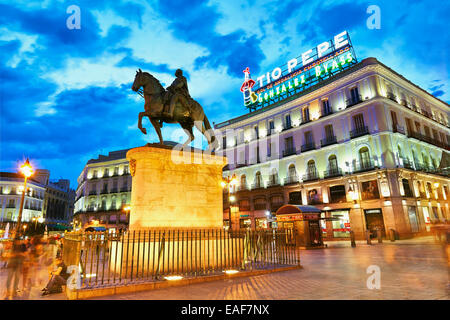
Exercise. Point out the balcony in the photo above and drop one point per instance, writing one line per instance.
(361, 166)
(326, 113)
(311, 176)
(289, 152)
(93, 193)
(273, 181)
(104, 191)
(334, 172)
(257, 185)
(308, 146)
(10, 206)
(125, 189)
(290, 180)
(113, 190)
(353, 101)
(242, 187)
(429, 140)
(328, 141)
(241, 165)
(358, 132)
(404, 103)
(287, 127)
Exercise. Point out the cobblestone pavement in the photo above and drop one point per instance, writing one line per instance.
(410, 269)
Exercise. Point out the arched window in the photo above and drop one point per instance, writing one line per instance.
(364, 157)
(258, 180)
(333, 164)
(243, 185)
(311, 171)
(291, 171)
(273, 178)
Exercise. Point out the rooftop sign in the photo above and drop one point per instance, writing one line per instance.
(317, 64)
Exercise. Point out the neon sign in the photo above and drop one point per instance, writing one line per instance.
(317, 64)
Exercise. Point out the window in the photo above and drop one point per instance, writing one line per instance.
(308, 137)
(364, 157)
(333, 164)
(271, 127)
(116, 171)
(291, 171)
(106, 172)
(289, 143)
(244, 205)
(224, 142)
(260, 204)
(256, 132)
(417, 127)
(95, 174)
(326, 109)
(258, 180)
(295, 197)
(243, 181)
(305, 114)
(354, 95)
(329, 134)
(407, 188)
(311, 168)
(427, 131)
(337, 194)
(358, 122)
(126, 170)
(288, 121)
(394, 120)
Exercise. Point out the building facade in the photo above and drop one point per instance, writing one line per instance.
(11, 188)
(104, 192)
(366, 146)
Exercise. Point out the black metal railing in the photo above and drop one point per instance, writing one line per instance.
(429, 140)
(328, 141)
(104, 191)
(257, 185)
(360, 166)
(309, 176)
(154, 255)
(358, 132)
(291, 179)
(92, 193)
(333, 172)
(242, 187)
(125, 189)
(273, 181)
(289, 152)
(398, 128)
(353, 101)
(308, 146)
(113, 190)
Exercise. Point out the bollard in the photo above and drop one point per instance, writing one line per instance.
(380, 239)
(352, 238)
(369, 241)
(392, 235)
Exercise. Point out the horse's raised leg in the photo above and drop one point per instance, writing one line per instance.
(141, 115)
(188, 130)
(157, 127)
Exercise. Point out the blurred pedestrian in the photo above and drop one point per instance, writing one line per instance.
(58, 278)
(15, 264)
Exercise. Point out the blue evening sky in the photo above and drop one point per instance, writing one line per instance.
(65, 94)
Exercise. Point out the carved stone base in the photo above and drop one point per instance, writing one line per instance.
(175, 189)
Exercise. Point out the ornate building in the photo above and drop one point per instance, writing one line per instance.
(104, 192)
(11, 188)
(366, 146)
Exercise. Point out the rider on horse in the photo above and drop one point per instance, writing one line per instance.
(177, 90)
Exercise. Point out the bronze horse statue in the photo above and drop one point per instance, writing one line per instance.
(187, 113)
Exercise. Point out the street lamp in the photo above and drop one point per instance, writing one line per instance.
(27, 170)
(229, 182)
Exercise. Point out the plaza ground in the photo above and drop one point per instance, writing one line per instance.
(410, 269)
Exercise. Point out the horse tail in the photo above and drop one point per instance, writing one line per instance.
(207, 127)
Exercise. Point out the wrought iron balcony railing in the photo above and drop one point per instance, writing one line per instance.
(273, 181)
(289, 152)
(358, 132)
(353, 101)
(328, 141)
(361, 166)
(291, 179)
(308, 146)
(333, 172)
(310, 176)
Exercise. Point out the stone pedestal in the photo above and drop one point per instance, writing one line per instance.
(175, 189)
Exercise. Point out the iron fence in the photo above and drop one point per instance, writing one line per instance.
(139, 256)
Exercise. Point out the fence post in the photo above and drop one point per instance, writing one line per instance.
(352, 238)
(392, 231)
(379, 236)
(369, 241)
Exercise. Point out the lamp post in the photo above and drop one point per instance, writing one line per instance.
(229, 182)
(27, 170)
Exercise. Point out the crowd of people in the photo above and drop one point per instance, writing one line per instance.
(28, 262)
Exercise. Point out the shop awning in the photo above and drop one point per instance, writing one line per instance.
(293, 209)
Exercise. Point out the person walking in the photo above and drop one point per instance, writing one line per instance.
(15, 264)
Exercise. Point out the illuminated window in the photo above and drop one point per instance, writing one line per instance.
(364, 157)
(326, 109)
(305, 114)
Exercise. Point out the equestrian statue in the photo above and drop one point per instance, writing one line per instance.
(171, 105)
